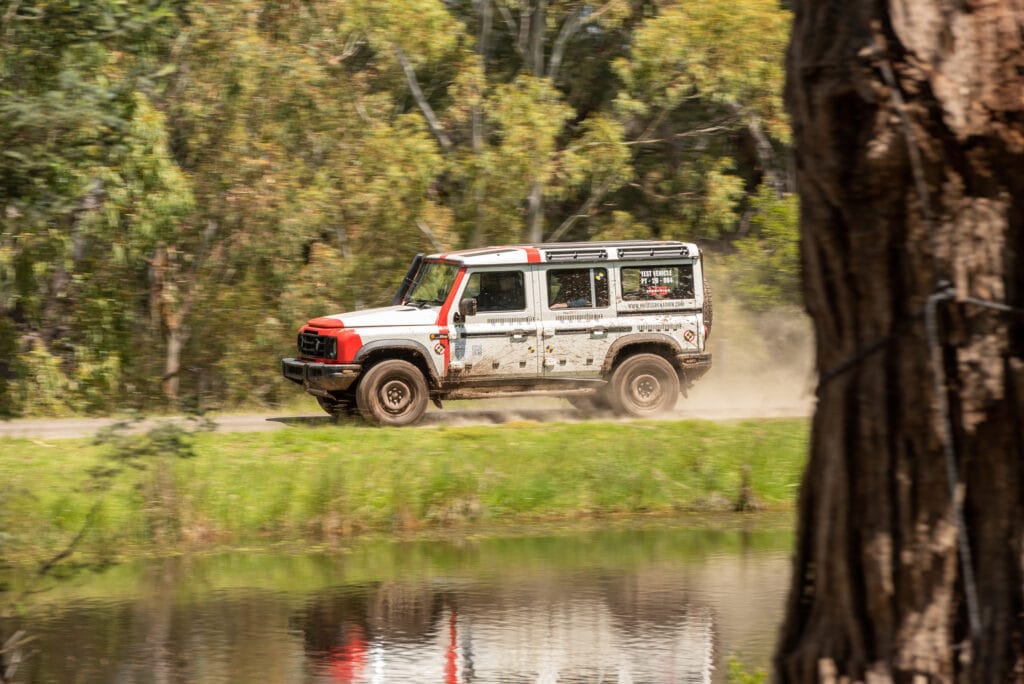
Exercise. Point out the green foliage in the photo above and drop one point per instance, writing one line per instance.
(204, 176)
(738, 674)
(326, 481)
(149, 455)
(766, 266)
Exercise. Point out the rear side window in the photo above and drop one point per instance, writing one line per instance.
(578, 288)
(497, 290)
(657, 282)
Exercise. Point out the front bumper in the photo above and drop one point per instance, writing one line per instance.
(320, 377)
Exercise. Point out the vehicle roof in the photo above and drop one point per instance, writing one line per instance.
(571, 252)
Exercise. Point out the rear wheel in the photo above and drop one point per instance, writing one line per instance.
(392, 393)
(644, 385)
(590, 402)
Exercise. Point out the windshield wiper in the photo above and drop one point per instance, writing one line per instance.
(419, 303)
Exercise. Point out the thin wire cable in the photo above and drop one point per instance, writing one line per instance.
(852, 361)
(943, 292)
(946, 292)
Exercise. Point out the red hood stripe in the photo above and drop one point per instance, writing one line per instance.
(324, 322)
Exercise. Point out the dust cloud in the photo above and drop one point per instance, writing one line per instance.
(763, 366)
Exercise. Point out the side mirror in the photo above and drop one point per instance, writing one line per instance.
(467, 307)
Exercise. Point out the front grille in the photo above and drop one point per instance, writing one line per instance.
(316, 346)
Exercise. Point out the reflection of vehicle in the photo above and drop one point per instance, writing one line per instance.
(617, 324)
(546, 628)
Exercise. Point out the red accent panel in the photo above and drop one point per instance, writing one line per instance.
(532, 255)
(349, 343)
(442, 317)
(324, 322)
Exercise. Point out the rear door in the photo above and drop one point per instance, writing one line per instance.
(500, 341)
(578, 320)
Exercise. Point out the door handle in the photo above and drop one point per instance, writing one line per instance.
(598, 333)
(518, 335)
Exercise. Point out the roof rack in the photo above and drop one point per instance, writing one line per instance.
(558, 255)
(654, 252)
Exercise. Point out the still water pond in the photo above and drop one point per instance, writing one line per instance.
(668, 604)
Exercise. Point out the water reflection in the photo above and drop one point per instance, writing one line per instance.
(662, 605)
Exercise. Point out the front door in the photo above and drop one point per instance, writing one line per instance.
(500, 341)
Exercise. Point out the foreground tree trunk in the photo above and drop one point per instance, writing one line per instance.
(909, 133)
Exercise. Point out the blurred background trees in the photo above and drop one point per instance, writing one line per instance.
(184, 182)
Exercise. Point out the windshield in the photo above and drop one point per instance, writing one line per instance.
(431, 285)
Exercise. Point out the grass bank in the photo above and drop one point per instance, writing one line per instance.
(329, 483)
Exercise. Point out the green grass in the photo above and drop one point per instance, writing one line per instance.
(329, 483)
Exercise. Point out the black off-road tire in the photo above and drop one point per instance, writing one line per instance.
(392, 393)
(338, 407)
(644, 385)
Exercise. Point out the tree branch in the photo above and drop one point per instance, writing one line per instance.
(421, 100)
(538, 26)
(695, 133)
(585, 209)
(762, 148)
(513, 28)
(51, 563)
(425, 229)
(525, 19)
(594, 16)
(569, 28)
(605, 186)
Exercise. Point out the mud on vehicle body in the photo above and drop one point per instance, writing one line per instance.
(621, 325)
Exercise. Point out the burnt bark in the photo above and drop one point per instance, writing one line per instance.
(908, 121)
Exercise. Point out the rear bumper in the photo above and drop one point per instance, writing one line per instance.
(324, 377)
(693, 366)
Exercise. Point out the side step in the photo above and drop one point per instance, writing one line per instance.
(477, 393)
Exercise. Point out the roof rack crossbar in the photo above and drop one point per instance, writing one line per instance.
(654, 252)
(558, 255)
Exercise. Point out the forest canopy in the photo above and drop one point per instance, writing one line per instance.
(184, 182)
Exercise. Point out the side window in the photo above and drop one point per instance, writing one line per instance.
(578, 288)
(497, 290)
(657, 282)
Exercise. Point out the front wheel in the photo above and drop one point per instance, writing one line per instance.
(392, 393)
(338, 406)
(644, 385)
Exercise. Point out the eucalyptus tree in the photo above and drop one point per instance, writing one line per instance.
(564, 112)
(909, 140)
(77, 138)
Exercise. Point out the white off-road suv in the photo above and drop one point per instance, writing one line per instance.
(621, 325)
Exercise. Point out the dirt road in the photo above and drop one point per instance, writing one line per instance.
(66, 428)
